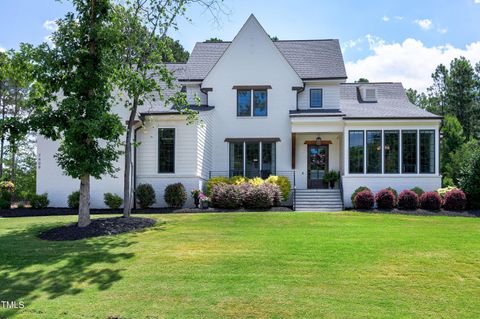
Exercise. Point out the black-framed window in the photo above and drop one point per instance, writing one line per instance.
(374, 151)
(316, 97)
(427, 151)
(252, 159)
(244, 102)
(355, 151)
(166, 150)
(236, 159)
(260, 103)
(248, 98)
(409, 151)
(391, 150)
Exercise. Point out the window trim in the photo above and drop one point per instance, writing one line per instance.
(251, 106)
(417, 146)
(266, 102)
(434, 152)
(174, 150)
(364, 150)
(321, 99)
(252, 90)
(260, 155)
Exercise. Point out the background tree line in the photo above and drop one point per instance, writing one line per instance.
(455, 95)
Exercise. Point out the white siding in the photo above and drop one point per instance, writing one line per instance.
(205, 144)
(331, 95)
(194, 95)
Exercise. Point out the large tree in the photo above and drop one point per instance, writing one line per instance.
(73, 104)
(142, 73)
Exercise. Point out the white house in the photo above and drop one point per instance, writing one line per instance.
(281, 108)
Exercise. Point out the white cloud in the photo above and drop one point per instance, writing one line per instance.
(351, 44)
(425, 24)
(477, 1)
(2, 49)
(409, 62)
(400, 17)
(50, 26)
(443, 30)
(385, 18)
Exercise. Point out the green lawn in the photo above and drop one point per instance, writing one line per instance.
(248, 265)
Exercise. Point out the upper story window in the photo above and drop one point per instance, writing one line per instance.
(166, 150)
(316, 97)
(252, 102)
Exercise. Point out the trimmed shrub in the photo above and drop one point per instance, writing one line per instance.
(175, 195)
(417, 190)
(39, 201)
(112, 200)
(6, 190)
(364, 200)
(256, 181)
(430, 201)
(385, 199)
(443, 191)
(145, 195)
(74, 200)
(260, 196)
(455, 199)
(226, 195)
(408, 199)
(215, 181)
(394, 192)
(283, 183)
(237, 180)
(358, 190)
(274, 191)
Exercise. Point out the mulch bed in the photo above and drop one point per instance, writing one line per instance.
(421, 212)
(98, 227)
(30, 212)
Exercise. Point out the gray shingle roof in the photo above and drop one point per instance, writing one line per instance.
(311, 59)
(392, 102)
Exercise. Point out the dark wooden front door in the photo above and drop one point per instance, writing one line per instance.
(317, 165)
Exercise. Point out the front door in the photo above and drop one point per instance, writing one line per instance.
(317, 165)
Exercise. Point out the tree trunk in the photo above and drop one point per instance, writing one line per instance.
(127, 194)
(2, 140)
(84, 208)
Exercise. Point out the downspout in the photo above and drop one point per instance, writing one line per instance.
(135, 166)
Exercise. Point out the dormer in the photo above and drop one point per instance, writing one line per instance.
(368, 93)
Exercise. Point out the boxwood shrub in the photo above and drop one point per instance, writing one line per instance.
(364, 200)
(385, 199)
(175, 195)
(417, 190)
(39, 201)
(145, 195)
(112, 200)
(408, 200)
(430, 201)
(73, 200)
(455, 199)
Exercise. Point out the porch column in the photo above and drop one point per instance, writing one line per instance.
(294, 143)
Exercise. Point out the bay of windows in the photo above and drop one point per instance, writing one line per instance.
(252, 159)
(248, 98)
(391, 151)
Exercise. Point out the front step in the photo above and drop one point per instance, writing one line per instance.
(318, 200)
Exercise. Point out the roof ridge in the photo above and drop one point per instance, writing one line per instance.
(366, 83)
(305, 40)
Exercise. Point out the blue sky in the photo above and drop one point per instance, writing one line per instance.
(381, 40)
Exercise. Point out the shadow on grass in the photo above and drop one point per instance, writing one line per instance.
(30, 267)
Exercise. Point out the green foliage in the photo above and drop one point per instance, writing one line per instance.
(113, 201)
(175, 195)
(469, 172)
(145, 195)
(394, 192)
(256, 181)
(174, 51)
(39, 201)
(417, 190)
(214, 40)
(331, 176)
(362, 80)
(237, 180)
(445, 190)
(73, 200)
(283, 183)
(358, 190)
(452, 140)
(215, 181)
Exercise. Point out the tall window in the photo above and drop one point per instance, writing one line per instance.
(391, 151)
(316, 98)
(244, 102)
(374, 151)
(236, 159)
(260, 103)
(409, 151)
(356, 148)
(247, 98)
(258, 159)
(427, 151)
(166, 150)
